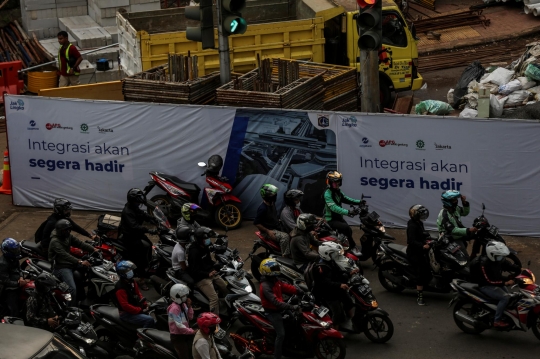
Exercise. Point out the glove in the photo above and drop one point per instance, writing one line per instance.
(351, 213)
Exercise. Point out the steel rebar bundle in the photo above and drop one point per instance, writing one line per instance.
(464, 18)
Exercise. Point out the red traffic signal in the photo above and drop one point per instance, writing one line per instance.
(366, 3)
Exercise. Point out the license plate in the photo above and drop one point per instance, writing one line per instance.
(220, 334)
(321, 311)
(453, 248)
(364, 289)
(85, 328)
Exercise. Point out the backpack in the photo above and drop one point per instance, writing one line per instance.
(309, 278)
(39, 233)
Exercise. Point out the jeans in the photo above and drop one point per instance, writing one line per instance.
(277, 322)
(66, 275)
(11, 298)
(207, 287)
(343, 227)
(498, 293)
(143, 320)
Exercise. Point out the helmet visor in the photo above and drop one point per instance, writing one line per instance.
(14, 252)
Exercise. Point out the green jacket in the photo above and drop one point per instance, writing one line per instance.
(450, 223)
(332, 204)
(59, 253)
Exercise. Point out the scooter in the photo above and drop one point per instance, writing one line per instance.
(474, 312)
(222, 204)
(308, 334)
(374, 234)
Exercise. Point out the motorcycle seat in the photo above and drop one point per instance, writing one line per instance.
(111, 313)
(287, 262)
(473, 289)
(46, 266)
(118, 246)
(167, 249)
(32, 246)
(271, 243)
(160, 337)
(183, 184)
(398, 249)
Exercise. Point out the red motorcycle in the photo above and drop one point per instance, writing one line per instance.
(474, 312)
(222, 204)
(308, 334)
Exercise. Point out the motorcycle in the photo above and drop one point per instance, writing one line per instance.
(487, 233)
(474, 312)
(161, 260)
(374, 233)
(222, 203)
(308, 334)
(447, 262)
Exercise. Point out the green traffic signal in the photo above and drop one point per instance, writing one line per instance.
(234, 25)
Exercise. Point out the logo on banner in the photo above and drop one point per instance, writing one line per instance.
(84, 128)
(384, 143)
(50, 126)
(365, 142)
(17, 105)
(33, 125)
(349, 122)
(323, 121)
(104, 130)
(442, 147)
(420, 145)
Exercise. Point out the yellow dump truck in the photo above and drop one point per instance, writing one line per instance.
(312, 30)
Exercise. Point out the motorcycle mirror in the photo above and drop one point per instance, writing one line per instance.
(201, 164)
(529, 264)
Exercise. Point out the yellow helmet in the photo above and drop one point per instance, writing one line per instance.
(269, 267)
(334, 177)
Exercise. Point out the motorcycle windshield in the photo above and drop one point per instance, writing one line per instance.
(160, 216)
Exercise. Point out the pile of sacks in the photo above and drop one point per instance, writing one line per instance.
(510, 88)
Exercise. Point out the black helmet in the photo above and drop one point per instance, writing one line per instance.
(45, 282)
(63, 227)
(215, 163)
(306, 221)
(418, 212)
(136, 196)
(291, 196)
(183, 235)
(204, 233)
(62, 207)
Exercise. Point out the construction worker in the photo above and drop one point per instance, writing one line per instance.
(69, 60)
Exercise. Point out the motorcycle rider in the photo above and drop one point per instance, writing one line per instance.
(417, 248)
(291, 211)
(449, 220)
(128, 297)
(61, 210)
(39, 312)
(330, 278)
(133, 233)
(204, 346)
(189, 212)
(64, 263)
(267, 221)
(201, 268)
(180, 313)
(271, 289)
(304, 237)
(333, 211)
(10, 275)
(486, 271)
(178, 257)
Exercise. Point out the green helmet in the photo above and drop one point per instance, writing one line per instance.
(269, 192)
(189, 210)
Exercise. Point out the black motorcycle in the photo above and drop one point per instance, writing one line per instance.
(374, 234)
(447, 262)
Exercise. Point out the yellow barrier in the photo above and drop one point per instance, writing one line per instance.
(100, 91)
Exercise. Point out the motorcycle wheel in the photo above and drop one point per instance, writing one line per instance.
(330, 348)
(379, 328)
(248, 332)
(535, 327)
(108, 339)
(470, 309)
(164, 203)
(255, 262)
(228, 215)
(386, 283)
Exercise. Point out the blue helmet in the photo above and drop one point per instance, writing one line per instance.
(449, 198)
(123, 267)
(11, 248)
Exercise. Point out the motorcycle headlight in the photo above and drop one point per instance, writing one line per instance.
(322, 323)
(381, 228)
(113, 277)
(67, 297)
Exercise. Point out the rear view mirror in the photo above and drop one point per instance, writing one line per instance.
(483, 206)
(201, 164)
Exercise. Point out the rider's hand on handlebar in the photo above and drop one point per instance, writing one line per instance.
(510, 282)
(426, 246)
(86, 263)
(473, 229)
(351, 213)
(53, 322)
(212, 273)
(344, 286)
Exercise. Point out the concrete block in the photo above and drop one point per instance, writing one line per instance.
(72, 4)
(146, 7)
(110, 3)
(110, 75)
(91, 37)
(42, 24)
(87, 67)
(87, 79)
(76, 22)
(45, 33)
(30, 5)
(113, 30)
(72, 11)
(105, 16)
(41, 14)
(109, 54)
(137, 2)
(52, 46)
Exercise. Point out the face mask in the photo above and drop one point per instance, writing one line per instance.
(499, 258)
(335, 185)
(207, 242)
(129, 274)
(298, 205)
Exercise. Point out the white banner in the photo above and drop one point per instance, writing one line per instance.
(93, 152)
(400, 161)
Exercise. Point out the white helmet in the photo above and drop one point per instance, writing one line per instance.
(330, 250)
(179, 293)
(496, 251)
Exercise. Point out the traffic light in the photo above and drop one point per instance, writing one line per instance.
(370, 24)
(233, 23)
(205, 31)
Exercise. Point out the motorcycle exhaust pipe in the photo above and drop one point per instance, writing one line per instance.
(394, 279)
(466, 319)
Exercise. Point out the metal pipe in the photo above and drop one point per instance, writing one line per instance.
(224, 59)
(54, 62)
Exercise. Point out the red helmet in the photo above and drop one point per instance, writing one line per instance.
(207, 320)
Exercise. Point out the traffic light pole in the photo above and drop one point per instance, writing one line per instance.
(369, 75)
(223, 42)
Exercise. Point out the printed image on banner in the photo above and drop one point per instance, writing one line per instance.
(285, 149)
